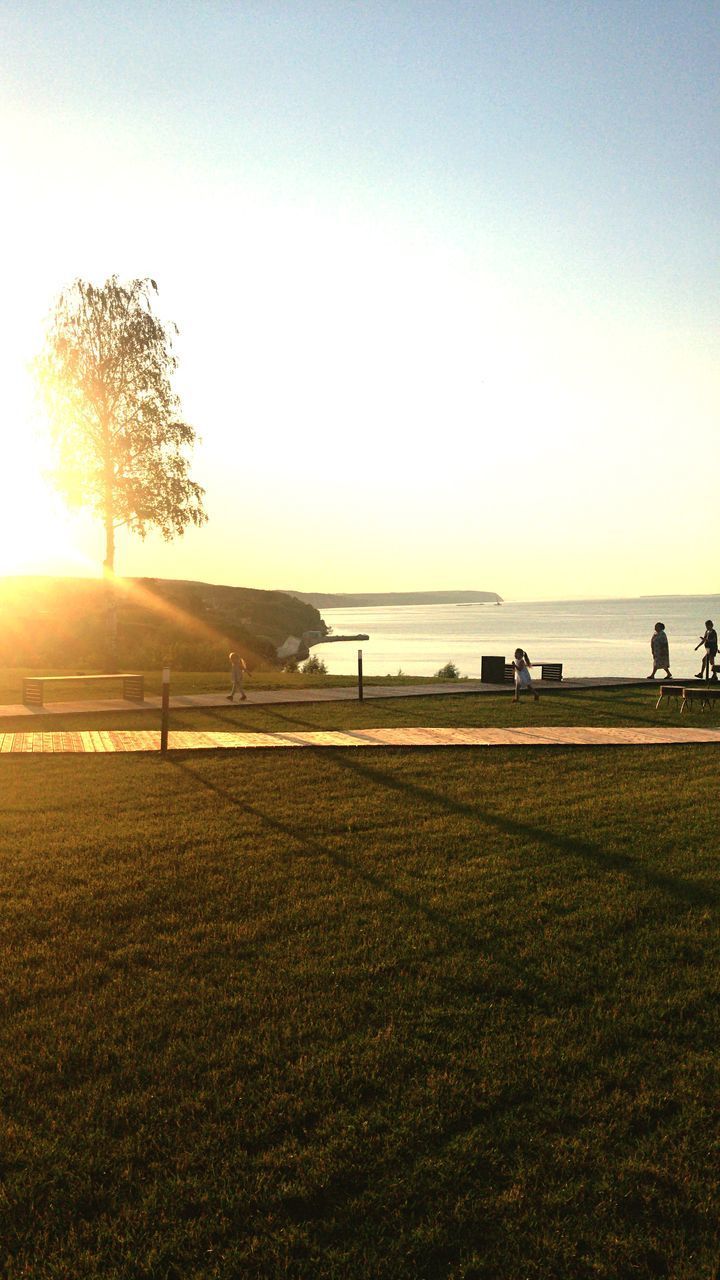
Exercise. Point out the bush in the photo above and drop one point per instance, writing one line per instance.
(314, 666)
(448, 672)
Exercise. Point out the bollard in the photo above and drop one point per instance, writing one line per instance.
(165, 710)
(360, 682)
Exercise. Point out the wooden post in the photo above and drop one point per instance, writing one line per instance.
(165, 710)
(360, 676)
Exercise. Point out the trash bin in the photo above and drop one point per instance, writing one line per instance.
(492, 670)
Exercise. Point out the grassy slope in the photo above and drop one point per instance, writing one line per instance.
(435, 1014)
(50, 621)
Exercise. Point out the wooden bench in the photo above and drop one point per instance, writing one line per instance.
(548, 671)
(670, 691)
(551, 670)
(133, 686)
(706, 693)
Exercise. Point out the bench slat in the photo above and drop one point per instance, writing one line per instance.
(119, 675)
(548, 671)
(551, 670)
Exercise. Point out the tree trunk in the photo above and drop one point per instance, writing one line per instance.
(111, 625)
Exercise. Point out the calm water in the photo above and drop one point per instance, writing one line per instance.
(590, 637)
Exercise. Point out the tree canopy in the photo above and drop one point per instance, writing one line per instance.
(120, 439)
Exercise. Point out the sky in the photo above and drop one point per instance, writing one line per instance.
(445, 276)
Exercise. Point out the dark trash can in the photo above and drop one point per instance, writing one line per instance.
(492, 670)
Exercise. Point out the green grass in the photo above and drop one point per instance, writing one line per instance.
(628, 705)
(381, 1014)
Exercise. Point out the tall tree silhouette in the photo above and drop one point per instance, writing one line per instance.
(121, 444)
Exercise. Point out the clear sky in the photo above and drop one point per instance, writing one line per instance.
(445, 273)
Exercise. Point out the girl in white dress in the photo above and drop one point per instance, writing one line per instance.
(522, 664)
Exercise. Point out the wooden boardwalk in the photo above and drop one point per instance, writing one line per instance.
(103, 741)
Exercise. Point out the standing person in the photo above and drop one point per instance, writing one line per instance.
(710, 641)
(238, 671)
(522, 665)
(660, 650)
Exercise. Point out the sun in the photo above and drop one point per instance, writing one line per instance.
(36, 539)
(37, 534)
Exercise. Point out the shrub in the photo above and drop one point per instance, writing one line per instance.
(448, 672)
(314, 666)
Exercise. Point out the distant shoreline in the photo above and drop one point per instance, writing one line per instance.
(371, 599)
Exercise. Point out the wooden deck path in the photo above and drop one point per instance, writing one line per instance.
(102, 741)
(275, 697)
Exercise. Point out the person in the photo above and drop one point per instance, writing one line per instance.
(238, 670)
(522, 665)
(660, 650)
(710, 641)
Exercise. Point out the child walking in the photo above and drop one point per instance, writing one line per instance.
(522, 665)
(238, 671)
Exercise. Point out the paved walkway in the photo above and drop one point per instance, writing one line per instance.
(109, 740)
(270, 697)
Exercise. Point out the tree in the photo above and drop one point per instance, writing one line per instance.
(105, 374)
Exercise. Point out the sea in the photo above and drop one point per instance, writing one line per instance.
(589, 637)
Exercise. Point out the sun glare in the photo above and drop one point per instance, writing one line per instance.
(37, 535)
(40, 543)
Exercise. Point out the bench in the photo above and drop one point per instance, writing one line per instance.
(705, 692)
(551, 670)
(688, 693)
(670, 691)
(548, 671)
(133, 686)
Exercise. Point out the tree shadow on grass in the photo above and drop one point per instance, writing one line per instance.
(596, 708)
(518, 981)
(689, 892)
(573, 846)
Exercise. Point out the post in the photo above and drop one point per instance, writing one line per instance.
(165, 710)
(360, 680)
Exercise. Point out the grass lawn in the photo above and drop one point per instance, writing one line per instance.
(627, 705)
(420, 1015)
